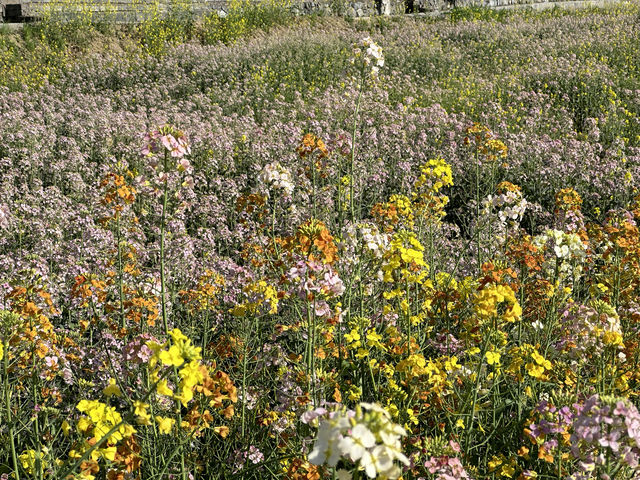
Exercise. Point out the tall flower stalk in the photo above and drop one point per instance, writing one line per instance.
(368, 59)
(174, 147)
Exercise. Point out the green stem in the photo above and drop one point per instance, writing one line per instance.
(162, 235)
(9, 414)
(120, 289)
(353, 149)
(245, 355)
(113, 429)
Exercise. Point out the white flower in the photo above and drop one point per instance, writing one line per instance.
(327, 446)
(537, 325)
(369, 438)
(359, 440)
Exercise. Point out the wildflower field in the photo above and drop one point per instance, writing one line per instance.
(313, 248)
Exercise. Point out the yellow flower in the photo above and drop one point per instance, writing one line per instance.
(354, 393)
(191, 375)
(173, 356)
(540, 360)
(493, 358)
(163, 388)
(362, 353)
(536, 371)
(507, 471)
(165, 424)
(493, 296)
(84, 424)
(140, 410)
(494, 463)
(612, 338)
(412, 417)
(112, 389)
(352, 336)
(28, 460)
(109, 453)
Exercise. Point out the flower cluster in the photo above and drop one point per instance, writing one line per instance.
(370, 54)
(316, 282)
(167, 139)
(589, 329)
(606, 438)
(367, 437)
(275, 176)
(177, 352)
(497, 301)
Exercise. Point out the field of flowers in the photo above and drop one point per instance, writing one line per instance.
(404, 248)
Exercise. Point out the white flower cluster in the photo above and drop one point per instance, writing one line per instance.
(275, 176)
(372, 54)
(500, 217)
(367, 437)
(565, 245)
(566, 252)
(365, 237)
(510, 206)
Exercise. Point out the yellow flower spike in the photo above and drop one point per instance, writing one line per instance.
(126, 431)
(494, 463)
(191, 374)
(536, 371)
(186, 395)
(538, 358)
(140, 408)
(83, 405)
(177, 336)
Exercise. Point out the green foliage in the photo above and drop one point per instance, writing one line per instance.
(474, 13)
(242, 18)
(158, 29)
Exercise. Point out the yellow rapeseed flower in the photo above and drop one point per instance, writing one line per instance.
(165, 424)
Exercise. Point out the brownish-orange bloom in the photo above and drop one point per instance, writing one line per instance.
(494, 274)
(309, 144)
(126, 461)
(568, 199)
(504, 187)
(525, 254)
(86, 287)
(205, 295)
(302, 470)
(218, 389)
(117, 194)
(253, 203)
(314, 241)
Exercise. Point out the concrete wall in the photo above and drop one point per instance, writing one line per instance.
(138, 10)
